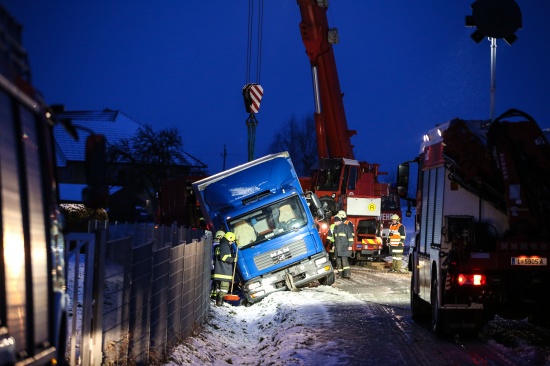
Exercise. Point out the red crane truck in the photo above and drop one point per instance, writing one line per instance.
(341, 182)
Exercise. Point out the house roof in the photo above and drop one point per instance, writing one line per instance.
(114, 125)
(69, 192)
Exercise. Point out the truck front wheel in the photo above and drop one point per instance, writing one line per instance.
(328, 280)
(420, 311)
(437, 321)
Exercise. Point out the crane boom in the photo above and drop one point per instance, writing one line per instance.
(333, 136)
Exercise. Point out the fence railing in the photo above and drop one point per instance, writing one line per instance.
(136, 292)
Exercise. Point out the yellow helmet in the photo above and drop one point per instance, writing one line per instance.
(395, 217)
(229, 236)
(219, 234)
(341, 214)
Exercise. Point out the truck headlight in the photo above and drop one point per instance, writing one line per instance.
(254, 285)
(320, 261)
(259, 293)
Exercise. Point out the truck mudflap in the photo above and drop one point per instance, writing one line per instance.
(456, 319)
(314, 268)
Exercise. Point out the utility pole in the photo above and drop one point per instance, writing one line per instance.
(224, 155)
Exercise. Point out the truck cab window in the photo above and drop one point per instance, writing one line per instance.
(245, 233)
(268, 222)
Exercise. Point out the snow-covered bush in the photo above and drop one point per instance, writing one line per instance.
(77, 216)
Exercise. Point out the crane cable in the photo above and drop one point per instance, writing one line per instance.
(249, 49)
(252, 122)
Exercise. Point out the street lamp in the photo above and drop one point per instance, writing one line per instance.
(494, 19)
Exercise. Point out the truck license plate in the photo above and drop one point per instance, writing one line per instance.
(526, 261)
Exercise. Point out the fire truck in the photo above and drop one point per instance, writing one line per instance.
(341, 182)
(483, 205)
(33, 302)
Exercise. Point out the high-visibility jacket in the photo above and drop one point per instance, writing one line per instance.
(397, 234)
(330, 234)
(223, 262)
(330, 237)
(350, 224)
(343, 238)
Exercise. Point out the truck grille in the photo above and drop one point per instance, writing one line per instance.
(282, 254)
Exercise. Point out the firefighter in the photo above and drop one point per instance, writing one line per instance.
(213, 285)
(330, 246)
(397, 242)
(343, 242)
(342, 214)
(219, 236)
(223, 266)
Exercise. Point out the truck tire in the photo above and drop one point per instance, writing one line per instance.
(328, 280)
(539, 319)
(437, 314)
(420, 311)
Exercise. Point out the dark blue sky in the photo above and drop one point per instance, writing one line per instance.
(403, 65)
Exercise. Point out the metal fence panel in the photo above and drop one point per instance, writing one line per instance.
(189, 283)
(159, 302)
(175, 294)
(136, 299)
(118, 260)
(140, 304)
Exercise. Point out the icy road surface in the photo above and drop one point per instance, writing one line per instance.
(362, 321)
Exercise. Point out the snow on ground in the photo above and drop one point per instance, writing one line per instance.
(286, 328)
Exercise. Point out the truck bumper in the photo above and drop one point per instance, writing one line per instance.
(459, 318)
(304, 272)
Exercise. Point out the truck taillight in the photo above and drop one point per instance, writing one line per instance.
(471, 279)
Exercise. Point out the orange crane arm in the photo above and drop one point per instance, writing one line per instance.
(333, 136)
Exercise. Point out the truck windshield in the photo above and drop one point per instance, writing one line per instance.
(329, 179)
(390, 202)
(268, 222)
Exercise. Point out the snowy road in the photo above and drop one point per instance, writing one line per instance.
(362, 321)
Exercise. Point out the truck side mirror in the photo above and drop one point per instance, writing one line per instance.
(96, 194)
(403, 180)
(316, 207)
(408, 213)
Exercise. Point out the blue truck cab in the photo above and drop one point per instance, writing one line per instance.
(278, 242)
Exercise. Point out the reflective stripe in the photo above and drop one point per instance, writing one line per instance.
(330, 234)
(224, 258)
(222, 277)
(396, 238)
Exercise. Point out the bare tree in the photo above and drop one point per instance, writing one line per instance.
(148, 158)
(299, 139)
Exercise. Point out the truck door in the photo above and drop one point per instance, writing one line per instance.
(26, 313)
(430, 225)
